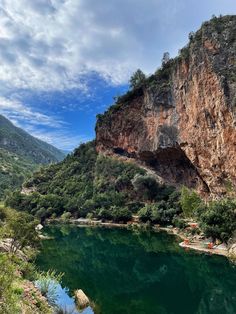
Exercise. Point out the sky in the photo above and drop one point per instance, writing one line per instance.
(63, 61)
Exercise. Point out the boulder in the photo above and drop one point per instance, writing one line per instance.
(232, 251)
(39, 227)
(81, 299)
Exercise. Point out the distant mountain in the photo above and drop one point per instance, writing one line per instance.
(21, 154)
(17, 141)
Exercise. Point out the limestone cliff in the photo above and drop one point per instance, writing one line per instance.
(181, 121)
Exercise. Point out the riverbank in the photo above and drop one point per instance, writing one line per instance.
(188, 242)
(198, 245)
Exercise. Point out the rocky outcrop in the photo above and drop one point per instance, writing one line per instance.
(181, 121)
(81, 299)
(232, 252)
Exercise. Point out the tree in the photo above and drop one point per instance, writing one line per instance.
(120, 214)
(165, 58)
(21, 229)
(189, 201)
(145, 213)
(146, 186)
(7, 276)
(218, 219)
(137, 79)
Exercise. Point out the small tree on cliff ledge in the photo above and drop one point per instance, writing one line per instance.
(137, 79)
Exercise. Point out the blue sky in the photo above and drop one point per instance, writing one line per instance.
(62, 61)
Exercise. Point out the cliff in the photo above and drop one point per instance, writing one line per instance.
(181, 121)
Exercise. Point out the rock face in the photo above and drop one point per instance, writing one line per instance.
(81, 299)
(181, 121)
(232, 251)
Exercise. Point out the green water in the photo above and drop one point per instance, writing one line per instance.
(139, 272)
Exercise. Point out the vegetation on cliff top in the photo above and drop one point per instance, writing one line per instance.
(219, 31)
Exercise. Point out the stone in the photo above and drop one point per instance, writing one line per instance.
(39, 227)
(183, 127)
(221, 246)
(81, 299)
(232, 251)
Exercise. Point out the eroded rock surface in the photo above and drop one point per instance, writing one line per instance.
(181, 122)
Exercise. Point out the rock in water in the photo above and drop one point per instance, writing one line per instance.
(81, 299)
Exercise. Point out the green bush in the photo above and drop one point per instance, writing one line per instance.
(218, 219)
(120, 214)
(66, 216)
(86, 182)
(179, 223)
(145, 213)
(189, 201)
(146, 186)
(8, 299)
(137, 79)
(20, 227)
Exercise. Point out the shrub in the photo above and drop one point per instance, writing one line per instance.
(146, 186)
(120, 214)
(189, 201)
(21, 229)
(145, 213)
(137, 79)
(179, 223)
(104, 213)
(47, 283)
(7, 297)
(66, 216)
(218, 219)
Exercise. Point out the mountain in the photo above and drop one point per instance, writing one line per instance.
(89, 183)
(17, 141)
(173, 129)
(21, 154)
(181, 121)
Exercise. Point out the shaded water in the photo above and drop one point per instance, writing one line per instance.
(139, 272)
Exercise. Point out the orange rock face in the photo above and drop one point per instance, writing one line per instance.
(181, 123)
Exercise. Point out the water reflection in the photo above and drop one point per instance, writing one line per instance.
(139, 272)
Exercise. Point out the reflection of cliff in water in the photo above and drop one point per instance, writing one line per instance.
(125, 272)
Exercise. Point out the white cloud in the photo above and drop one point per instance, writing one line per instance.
(53, 44)
(57, 45)
(17, 111)
(59, 138)
(45, 127)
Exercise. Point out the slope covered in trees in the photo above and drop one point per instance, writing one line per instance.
(19, 142)
(89, 184)
(13, 171)
(20, 155)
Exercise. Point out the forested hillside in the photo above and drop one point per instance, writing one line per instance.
(13, 170)
(88, 184)
(17, 141)
(20, 155)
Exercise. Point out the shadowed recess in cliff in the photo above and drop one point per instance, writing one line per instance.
(170, 163)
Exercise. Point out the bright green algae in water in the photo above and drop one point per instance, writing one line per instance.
(139, 272)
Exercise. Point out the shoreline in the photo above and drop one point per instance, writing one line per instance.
(195, 245)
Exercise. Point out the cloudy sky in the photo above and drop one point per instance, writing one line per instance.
(62, 61)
